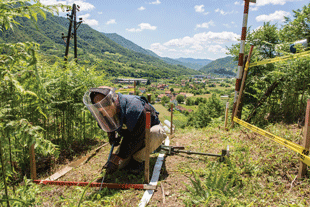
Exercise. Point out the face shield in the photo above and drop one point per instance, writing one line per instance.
(103, 105)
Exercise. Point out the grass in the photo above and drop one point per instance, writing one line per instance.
(259, 172)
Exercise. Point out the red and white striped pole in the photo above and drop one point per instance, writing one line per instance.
(241, 53)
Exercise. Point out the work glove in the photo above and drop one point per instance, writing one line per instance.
(114, 138)
(113, 164)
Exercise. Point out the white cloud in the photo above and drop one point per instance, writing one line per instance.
(276, 16)
(86, 20)
(155, 2)
(274, 2)
(111, 21)
(203, 39)
(158, 46)
(237, 3)
(259, 3)
(143, 26)
(217, 49)
(205, 24)
(221, 11)
(84, 6)
(200, 9)
(100, 12)
(254, 8)
(227, 25)
(141, 8)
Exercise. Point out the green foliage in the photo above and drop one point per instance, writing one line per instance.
(299, 27)
(213, 108)
(180, 98)
(278, 91)
(224, 66)
(165, 100)
(217, 185)
(190, 101)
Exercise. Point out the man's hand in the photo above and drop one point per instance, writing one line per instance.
(114, 138)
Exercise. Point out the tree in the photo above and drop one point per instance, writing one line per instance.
(164, 100)
(299, 27)
(148, 82)
(213, 108)
(172, 90)
(180, 98)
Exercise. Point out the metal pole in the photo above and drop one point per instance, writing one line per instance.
(241, 53)
(306, 142)
(69, 34)
(75, 30)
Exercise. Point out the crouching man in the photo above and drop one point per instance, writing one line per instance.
(123, 117)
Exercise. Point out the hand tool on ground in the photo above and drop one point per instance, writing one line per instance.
(111, 151)
(180, 149)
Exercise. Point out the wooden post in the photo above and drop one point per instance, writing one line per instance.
(242, 85)
(226, 115)
(149, 98)
(134, 87)
(306, 142)
(147, 148)
(171, 130)
(4, 175)
(33, 171)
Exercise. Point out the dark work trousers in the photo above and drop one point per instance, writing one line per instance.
(133, 141)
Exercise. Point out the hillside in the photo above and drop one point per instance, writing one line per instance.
(132, 46)
(93, 47)
(128, 44)
(197, 63)
(223, 66)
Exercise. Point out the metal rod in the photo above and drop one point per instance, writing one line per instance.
(196, 153)
(111, 151)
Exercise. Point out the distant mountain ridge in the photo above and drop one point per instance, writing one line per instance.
(93, 48)
(222, 66)
(195, 64)
(202, 62)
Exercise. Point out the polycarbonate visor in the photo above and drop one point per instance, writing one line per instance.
(105, 111)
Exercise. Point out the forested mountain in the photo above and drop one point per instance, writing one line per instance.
(128, 44)
(132, 46)
(199, 62)
(222, 66)
(93, 47)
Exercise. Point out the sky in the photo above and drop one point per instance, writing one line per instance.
(200, 29)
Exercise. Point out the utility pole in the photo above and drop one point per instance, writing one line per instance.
(72, 19)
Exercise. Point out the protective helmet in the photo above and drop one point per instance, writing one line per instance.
(103, 104)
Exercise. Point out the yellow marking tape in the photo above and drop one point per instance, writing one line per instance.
(279, 59)
(302, 152)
